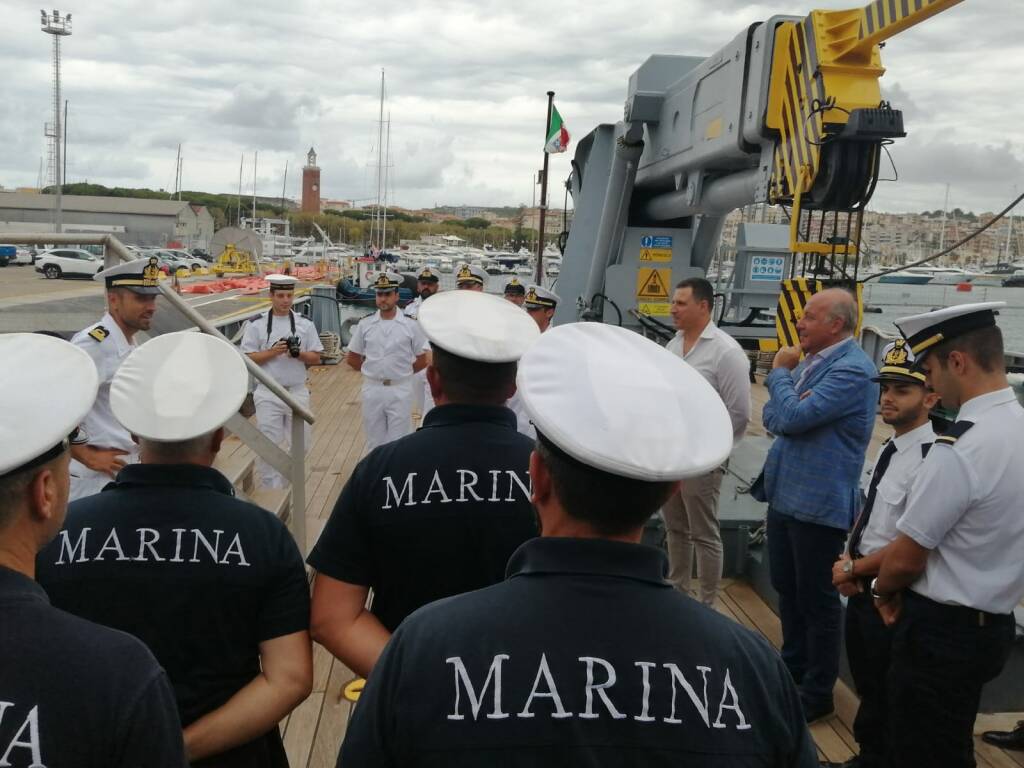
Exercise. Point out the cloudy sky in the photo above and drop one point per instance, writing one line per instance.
(466, 85)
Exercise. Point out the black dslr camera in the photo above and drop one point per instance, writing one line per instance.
(294, 345)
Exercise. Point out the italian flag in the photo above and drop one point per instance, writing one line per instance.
(558, 137)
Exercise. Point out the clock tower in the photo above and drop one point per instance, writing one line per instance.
(311, 184)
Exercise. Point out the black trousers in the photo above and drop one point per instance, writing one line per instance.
(942, 656)
(800, 556)
(868, 645)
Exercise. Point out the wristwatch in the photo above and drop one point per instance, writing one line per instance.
(848, 567)
(875, 594)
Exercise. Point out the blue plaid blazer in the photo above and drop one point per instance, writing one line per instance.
(813, 468)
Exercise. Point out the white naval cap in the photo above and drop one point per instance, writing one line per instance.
(471, 273)
(139, 276)
(926, 330)
(387, 281)
(539, 296)
(281, 281)
(515, 287)
(178, 386)
(620, 403)
(48, 387)
(477, 326)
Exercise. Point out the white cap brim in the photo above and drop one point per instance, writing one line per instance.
(620, 403)
(477, 326)
(178, 386)
(49, 386)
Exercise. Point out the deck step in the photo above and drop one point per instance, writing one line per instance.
(237, 463)
(275, 500)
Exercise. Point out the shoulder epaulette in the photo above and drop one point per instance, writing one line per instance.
(99, 333)
(925, 447)
(954, 433)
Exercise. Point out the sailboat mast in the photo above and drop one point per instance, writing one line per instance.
(255, 158)
(380, 155)
(387, 165)
(241, 164)
(942, 226)
(1009, 228)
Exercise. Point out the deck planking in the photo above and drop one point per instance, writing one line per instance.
(314, 731)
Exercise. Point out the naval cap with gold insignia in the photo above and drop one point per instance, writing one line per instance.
(387, 281)
(898, 365)
(140, 276)
(477, 326)
(427, 275)
(539, 296)
(281, 282)
(471, 273)
(604, 395)
(926, 330)
(515, 287)
(178, 386)
(49, 386)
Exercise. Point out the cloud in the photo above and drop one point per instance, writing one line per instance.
(466, 84)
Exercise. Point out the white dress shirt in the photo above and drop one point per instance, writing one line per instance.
(389, 347)
(891, 494)
(288, 371)
(720, 359)
(101, 429)
(965, 506)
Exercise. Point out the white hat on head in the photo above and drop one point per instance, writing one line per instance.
(477, 326)
(281, 281)
(926, 330)
(539, 296)
(178, 386)
(48, 387)
(387, 281)
(471, 273)
(620, 403)
(140, 276)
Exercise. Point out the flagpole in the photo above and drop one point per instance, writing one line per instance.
(543, 195)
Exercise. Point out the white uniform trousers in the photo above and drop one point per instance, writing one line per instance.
(86, 482)
(387, 410)
(274, 420)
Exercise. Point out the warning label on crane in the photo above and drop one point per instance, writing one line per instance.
(652, 283)
(655, 254)
(655, 310)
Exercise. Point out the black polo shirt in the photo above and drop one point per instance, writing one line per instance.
(435, 513)
(168, 554)
(76, 694)
(584, 656)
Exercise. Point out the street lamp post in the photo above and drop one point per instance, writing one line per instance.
(57, 27)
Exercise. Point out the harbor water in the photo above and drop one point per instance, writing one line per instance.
(895, 301)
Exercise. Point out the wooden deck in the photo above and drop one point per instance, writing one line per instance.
(314, 731)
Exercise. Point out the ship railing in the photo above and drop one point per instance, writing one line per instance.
(290, 464)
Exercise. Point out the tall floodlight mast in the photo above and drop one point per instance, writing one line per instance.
(57, 27)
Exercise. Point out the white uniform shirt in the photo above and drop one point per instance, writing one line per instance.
(720, 359)
(412, 309)
(288, 371)
(891, 496)
(965, 506)
(102, 430)
(388, 347)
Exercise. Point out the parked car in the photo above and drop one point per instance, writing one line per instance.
(199, 253)
(171, 260)
(193, 261)
(68, 262)
(24, 256)
(7, 254)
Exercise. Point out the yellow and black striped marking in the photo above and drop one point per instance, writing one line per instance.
(792, 300)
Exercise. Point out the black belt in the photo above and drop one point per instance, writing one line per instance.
(957, 615)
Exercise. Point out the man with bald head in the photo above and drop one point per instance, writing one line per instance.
(821, 411)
